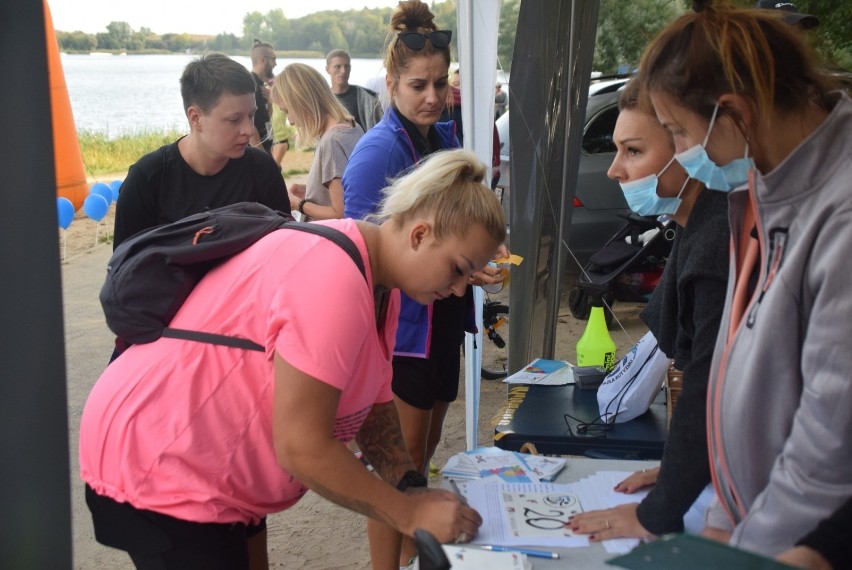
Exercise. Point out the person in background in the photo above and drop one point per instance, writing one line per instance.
(752, 116)
(428, 343)
(379, 85)
(790, 14)
(304, 95)
(827, 546)
(453, 112)
(186, 446)
(361, 103)
(683, 314)
(213, 166)
(262, 64)
(501, 103)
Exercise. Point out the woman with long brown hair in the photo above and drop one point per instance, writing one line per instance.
(751, 115)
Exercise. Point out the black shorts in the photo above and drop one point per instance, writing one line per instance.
(420, 382)
(158, 541)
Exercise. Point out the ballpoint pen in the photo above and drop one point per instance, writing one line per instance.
(458, 492)
(527, 551)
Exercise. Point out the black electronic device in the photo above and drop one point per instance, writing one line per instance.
(588, 377)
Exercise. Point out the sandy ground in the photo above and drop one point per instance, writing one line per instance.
(314, 534)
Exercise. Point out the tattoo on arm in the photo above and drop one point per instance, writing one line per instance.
(357, 505)
(380, 439)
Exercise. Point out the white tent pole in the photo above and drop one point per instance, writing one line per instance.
(478, 24)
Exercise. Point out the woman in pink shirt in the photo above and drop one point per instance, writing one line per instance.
(185, 447)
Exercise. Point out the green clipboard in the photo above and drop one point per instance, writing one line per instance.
(678, 551)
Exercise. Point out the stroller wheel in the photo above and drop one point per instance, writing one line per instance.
(581, 307)
(578, 303)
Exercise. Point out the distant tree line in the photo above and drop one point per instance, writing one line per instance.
(624, 29)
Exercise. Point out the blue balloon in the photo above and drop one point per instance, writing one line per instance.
(95, 206)
(102, 189)
(115, 186)
(65, 210)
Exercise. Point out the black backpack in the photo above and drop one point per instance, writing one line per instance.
(151, 274)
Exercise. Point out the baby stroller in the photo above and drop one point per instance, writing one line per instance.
(627, 268)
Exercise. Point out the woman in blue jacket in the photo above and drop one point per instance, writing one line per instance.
(429, 337)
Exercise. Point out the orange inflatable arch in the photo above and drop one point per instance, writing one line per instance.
(68, 162)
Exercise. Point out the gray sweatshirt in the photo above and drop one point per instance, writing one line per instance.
(780, 397)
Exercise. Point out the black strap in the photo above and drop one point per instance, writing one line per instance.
(336, 236)
(210, 338)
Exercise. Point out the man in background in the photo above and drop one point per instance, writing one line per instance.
(262, 64)
(792, 16)
(362, 103)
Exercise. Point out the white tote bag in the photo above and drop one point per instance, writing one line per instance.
(627, 391)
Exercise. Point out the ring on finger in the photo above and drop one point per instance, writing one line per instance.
(462, 537)
(608, 526)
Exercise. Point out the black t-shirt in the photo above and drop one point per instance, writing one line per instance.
(162, 188)
(350, 100)
(261, 116)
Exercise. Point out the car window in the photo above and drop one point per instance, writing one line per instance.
(598, 136)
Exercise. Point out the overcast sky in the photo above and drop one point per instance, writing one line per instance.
(191, 16)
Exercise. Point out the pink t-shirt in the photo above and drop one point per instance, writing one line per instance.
(185, 428)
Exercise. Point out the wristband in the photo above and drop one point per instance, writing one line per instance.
(412, 478)
(301, 206)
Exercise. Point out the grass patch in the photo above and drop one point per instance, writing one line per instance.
(294, 172)
(104, 155)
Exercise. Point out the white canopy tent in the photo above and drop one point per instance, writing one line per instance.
(477, 45)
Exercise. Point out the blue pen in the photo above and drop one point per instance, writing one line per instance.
(527, 551)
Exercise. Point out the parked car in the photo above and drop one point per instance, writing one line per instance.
(598, 200)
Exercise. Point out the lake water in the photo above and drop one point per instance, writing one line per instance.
(133, 93)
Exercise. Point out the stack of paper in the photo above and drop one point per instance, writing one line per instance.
(516, 514)
(597, 492)
(493, 463)
(543, 372)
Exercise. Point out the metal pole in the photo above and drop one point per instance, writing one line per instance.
(35, 521)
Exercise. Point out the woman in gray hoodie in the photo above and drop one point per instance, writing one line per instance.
(751, 115)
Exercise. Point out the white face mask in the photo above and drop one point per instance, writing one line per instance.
(701, 167)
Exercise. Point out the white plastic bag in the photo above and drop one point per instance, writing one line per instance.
(627, 391)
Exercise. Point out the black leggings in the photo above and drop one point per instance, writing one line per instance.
(159, 542)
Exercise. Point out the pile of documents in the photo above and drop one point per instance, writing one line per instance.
(543, 372)
(506, 508)
(493, 463)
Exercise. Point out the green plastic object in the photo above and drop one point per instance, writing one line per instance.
(595, 347)
(695, 553)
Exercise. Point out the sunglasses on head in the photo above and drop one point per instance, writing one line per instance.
(416, 40)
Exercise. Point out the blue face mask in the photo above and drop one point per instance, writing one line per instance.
(642, 198)
(700, 166)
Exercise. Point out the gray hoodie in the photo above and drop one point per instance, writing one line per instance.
(780, 398)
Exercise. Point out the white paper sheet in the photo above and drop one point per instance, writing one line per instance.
(538, 513)
(596, 493)
(505, 527)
